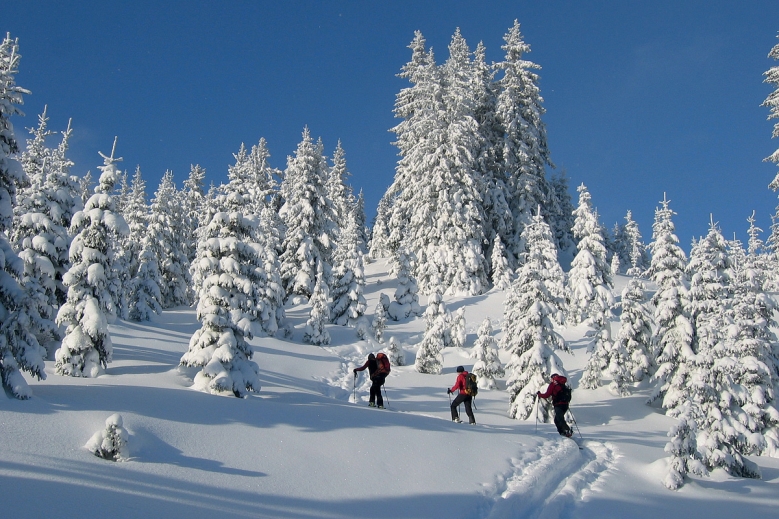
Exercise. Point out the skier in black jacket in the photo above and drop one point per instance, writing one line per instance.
(377, 379)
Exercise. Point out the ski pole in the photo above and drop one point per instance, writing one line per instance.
(354, 396)
(575, 424)
(385, 395)
(537, 397)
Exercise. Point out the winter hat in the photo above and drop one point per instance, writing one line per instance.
(460, 369)
(371, 356)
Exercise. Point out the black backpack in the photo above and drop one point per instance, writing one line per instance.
(563, 396)
(471, 387)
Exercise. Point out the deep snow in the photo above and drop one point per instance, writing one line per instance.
(300, 448)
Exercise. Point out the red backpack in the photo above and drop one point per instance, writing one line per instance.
(384, 364)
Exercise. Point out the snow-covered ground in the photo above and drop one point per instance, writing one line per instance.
(301, 448)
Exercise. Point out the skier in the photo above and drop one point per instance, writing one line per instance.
(377, 379)
(462, 398)
(561, 398)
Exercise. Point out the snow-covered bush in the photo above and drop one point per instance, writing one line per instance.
(395, 353)
(110, 443)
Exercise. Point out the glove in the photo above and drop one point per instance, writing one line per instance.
(449, 391)
(355, 372)
(538, 393)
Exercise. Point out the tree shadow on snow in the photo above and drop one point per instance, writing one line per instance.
(149, 448)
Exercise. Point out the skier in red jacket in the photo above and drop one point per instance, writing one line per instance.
(560, 401)
(462, 398)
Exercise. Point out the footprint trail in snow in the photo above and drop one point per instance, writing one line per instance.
(546, 482)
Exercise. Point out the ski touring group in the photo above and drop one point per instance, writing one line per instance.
(466, 387)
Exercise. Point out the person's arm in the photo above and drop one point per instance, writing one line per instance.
(362, 368)
(459, 383)
(549, 391)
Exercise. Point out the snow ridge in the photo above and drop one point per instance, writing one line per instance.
(548, 481)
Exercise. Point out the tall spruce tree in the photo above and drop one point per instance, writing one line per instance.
(630, 357)
(166, 224)
(533, 309)
(306, 245)
(226, 264)
(487, 366)
(673, 336)
(524, 152)
(91, 281)
(19, 347)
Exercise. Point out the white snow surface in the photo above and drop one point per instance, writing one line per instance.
(301, 448)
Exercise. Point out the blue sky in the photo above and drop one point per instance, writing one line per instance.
(642, 98)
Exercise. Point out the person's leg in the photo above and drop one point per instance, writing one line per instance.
(468, 410)
(559, 419)
(372, 399)
(379, 400)
(457, 401)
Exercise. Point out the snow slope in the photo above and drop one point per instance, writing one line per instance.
(301, 448)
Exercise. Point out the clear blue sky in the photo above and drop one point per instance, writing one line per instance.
(642, 97)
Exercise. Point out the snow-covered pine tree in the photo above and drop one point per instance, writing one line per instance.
(429, 358)
(379, 322)
(630, 359)
(673, 335)
(534, 307)
(589, 281)
(348, 277)
(406, 301)
(639, 259)
(305, 216)
(144, 296)
(379, 243)
(362, 219)
(589, 288)
(85, 187)
(456, 332)
(752, 341)
(501, 272)
(615, 265)
(339, 192)
(437, 210)
(193, 198)
(166, 226)
(316, 331)
(34, 236)
(19, 348)
(683, 448)
(524, 152)
(272, 297)
(226, 264)
(136, 214)
(709, 297)
(122, 192)
(90, 304)
(772, 102)
(64, 202)
(487, 364)
(562, 220)
(495, 194)
(11, 96)
(395, 353)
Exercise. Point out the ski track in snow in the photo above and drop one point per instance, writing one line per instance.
(545, 482)
(548, 481)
